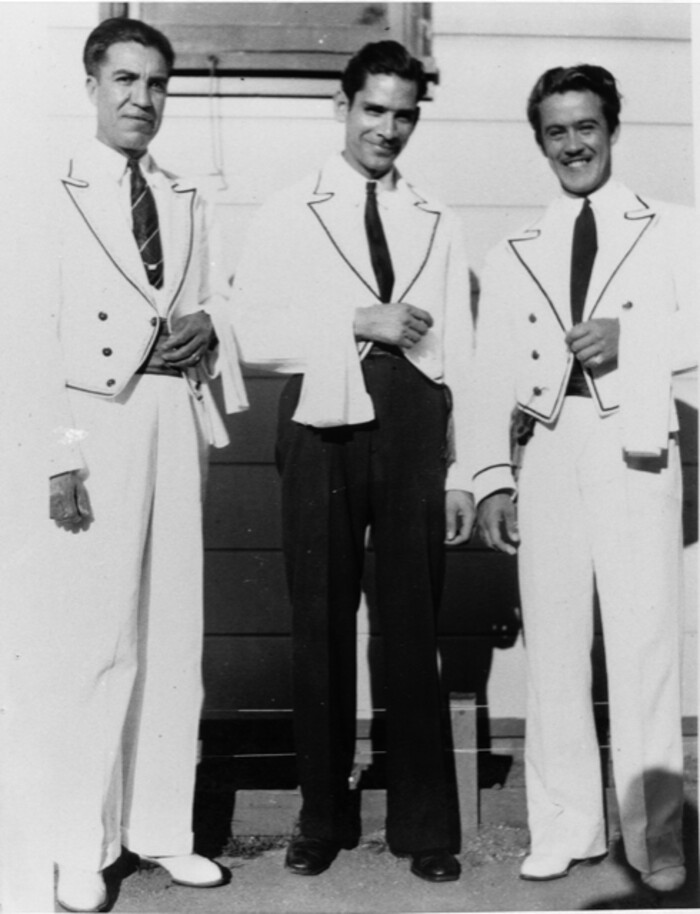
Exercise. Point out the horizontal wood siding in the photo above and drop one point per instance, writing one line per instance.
(474, 148)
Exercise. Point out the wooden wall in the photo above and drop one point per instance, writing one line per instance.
(475, 149)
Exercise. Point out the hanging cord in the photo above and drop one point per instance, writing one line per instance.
(216, 123)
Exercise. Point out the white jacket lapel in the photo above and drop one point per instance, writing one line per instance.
(177, 233)
(100, 210)
(343, 222)
(614, 250)
(410, 256)
(545, 252)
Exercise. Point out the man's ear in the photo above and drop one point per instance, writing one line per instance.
(341, 106)
(91, 88)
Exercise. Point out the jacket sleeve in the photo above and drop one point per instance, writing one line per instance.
(493, 391)
(459, 359)
(214, 298)
(657, 341)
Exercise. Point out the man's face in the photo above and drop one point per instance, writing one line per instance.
(378, 123)
(577, 141)
(129, 93)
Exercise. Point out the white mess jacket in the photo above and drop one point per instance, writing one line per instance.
(645, 274)
(306, 268)
(107, 315)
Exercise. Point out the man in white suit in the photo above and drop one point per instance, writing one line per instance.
(142, 331)
(357, 284)
(584, 317)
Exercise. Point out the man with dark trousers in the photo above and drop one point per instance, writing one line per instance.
(356, 284)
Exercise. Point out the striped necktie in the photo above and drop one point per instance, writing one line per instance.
(145, 225)
(378, 248)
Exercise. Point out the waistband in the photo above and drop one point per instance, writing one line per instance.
(384, 349)
(577, 386)
(154, 362)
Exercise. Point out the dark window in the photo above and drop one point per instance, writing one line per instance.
(258, 47)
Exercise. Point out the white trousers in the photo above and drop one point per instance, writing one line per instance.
(128, 629)
(589, 516)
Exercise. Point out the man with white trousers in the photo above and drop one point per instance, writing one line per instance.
(143, 329)
(585, 315)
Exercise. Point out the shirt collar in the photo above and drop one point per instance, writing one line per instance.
(113, 164)
(343, 179)
(602, 200)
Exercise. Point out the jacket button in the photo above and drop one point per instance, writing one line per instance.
(537, 391)
(102, 315)
(535, 354)
(111, 382)
(107, 351)
(154, 321)
(533, 318)
(627, 305)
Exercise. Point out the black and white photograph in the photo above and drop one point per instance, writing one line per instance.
(349, 458)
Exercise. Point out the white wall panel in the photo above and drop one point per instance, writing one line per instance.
(556, 20)
(485, 77)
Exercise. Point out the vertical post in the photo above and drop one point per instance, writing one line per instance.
(463, 719)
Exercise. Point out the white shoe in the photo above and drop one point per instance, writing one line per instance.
(191, 870)
(669, 879)
(80, 890)
(542, 867)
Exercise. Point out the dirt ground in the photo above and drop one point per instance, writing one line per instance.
(370, 880)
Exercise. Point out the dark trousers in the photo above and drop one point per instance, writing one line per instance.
(387, 475)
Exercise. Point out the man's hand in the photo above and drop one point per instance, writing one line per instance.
(460, 514)
(395, 324)
(498, 524)
(595, 342)
(69, 504)
(191, 336)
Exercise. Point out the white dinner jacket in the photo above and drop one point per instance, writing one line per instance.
(108, 319)
(645, 275)
(306, 268)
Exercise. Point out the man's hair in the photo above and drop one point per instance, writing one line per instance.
(119, 30)
(388, 57)
(581, 78)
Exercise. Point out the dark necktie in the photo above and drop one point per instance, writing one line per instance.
(145, 224)
(378, 248)
(583, 251)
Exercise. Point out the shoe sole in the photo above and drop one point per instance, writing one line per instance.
(446, 878)
(316, 872)
(102, 907)
(586, 861)
(200, 885)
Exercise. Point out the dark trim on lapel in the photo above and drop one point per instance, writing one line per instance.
(193, 198)
(422, 202)
(83, 184)
(533, 235)
(311, 204)
(630, 216)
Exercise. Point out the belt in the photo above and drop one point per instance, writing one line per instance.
(384, 349)
(154, 362)
(577, 386)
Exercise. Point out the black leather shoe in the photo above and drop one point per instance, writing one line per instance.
(310, 856)
(436, 866)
